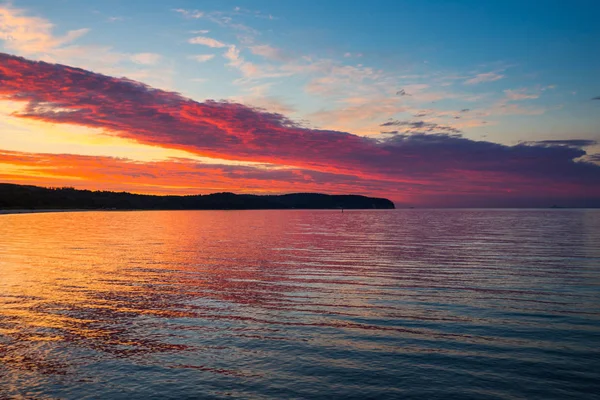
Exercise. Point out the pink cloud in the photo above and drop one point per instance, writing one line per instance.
(420, 166)
(206, 41)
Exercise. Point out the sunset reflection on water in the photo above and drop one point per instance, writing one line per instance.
(299, 303)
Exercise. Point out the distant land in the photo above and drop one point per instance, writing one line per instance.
(22, 197)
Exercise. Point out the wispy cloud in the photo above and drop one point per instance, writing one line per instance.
(520, 94)
(225, 18)
(420, 127)
(202, 57)
(249, 70)
(485, 77)
(565, 142)
(206, 41)
(29, 35)
(349, 54)
(269, 52)
(195, 14)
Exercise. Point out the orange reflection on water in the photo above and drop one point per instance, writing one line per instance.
(84, 277)
(241, 294)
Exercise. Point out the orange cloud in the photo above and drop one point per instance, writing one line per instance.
(181, 176)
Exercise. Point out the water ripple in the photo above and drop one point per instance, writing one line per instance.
(301, 304)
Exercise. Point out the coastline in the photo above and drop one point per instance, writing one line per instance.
(48, 210)
(20, 198)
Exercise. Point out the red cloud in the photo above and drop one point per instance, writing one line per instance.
(415, 167)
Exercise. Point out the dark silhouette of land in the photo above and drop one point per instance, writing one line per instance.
(38, 198)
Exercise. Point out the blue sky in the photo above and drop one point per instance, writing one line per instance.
(542, 49)
(498, 71)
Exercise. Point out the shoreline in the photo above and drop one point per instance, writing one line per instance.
(50, 210)
(45, 210)
(55, 210)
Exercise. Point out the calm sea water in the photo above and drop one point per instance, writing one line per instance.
(421, 304)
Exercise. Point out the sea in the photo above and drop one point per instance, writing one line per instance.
(298, 304)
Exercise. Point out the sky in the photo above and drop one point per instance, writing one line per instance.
(428, 103)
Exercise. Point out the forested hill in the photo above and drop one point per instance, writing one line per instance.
(34, 197)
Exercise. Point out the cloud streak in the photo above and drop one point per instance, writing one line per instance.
(485, 77)
(521, 94)
(417, 167)
(202, 57)
(569, 142)
(194, 14)
(421, 126)
(206, 41)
